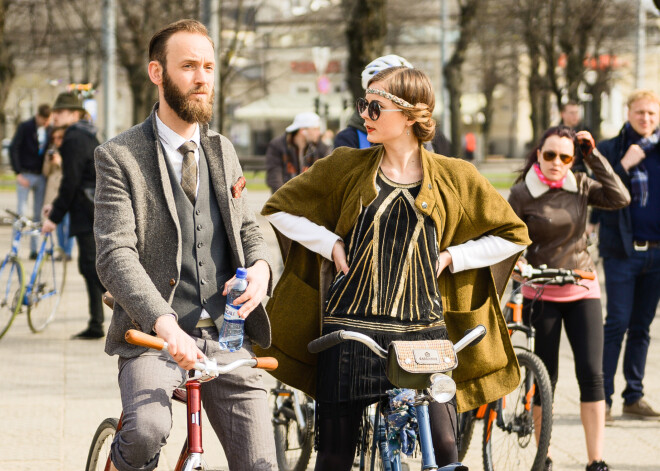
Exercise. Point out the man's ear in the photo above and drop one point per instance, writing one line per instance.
(155, 71)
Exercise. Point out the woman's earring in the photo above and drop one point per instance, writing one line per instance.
(408, 132)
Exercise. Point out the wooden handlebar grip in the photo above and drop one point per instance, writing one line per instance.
(585, 275)
(266, 363)
(144, 340)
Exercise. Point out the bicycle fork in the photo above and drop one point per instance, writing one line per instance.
(426, 445)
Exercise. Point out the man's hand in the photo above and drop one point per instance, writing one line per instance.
(48, 226)
(634, 155)
(24, 182)
(339, 257)
(258, 276)
(180, 345)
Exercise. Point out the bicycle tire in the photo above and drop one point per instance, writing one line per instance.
(466, 421)
(99, 451)
(46, 294)
(509, 440)
(293, 444)
(12, 288)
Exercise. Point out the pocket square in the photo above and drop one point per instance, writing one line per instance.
(237, 188)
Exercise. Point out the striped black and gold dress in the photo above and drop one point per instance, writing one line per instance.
(390, 293)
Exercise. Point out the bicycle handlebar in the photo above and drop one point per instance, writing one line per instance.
(23, 221)
(325, 342)
(208, 368)
(471, 338)
(553, 276)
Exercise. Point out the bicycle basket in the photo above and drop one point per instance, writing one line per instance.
(410, 364)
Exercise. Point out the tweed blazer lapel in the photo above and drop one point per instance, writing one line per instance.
(164, 178)
(218, 170)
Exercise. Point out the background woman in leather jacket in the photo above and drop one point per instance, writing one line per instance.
(553, 202)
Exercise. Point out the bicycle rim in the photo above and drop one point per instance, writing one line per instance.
(99, 451)
(11, 292)
(46, 293)
(293, 444)
(509, 441)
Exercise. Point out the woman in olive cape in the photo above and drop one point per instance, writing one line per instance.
(469, 228)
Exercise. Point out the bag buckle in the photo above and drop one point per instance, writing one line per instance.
(641, 246)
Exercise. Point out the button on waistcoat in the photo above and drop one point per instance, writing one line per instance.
(205, 255)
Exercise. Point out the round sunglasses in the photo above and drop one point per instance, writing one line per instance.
(374, 108)
(550, 155)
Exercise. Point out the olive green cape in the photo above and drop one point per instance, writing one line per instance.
(463, 205)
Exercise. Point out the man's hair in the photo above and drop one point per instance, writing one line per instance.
(158, 43)
(643, 94)
(44, 110)
(568, 103)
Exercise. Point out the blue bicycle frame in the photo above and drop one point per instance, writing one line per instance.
(29, 289)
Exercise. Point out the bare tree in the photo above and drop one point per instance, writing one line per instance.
(7, 67)
(366, 30)
(453, 69)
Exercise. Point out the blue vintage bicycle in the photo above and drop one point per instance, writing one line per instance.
(418, 368)
(42, 293)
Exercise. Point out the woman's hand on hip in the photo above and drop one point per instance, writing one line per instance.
(444, 260)
(339, 257)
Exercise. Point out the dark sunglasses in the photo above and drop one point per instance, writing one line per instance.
(550, 155)
(374, 108)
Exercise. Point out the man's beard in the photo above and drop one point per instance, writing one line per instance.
(191, 111)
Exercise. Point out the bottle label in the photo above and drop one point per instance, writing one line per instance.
(231, 312)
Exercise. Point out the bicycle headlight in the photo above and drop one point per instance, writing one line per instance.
(442, 388)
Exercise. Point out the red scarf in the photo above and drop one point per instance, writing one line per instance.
(544, 179)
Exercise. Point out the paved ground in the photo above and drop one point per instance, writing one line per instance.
(56, 391)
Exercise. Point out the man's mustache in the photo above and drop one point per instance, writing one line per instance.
(206, 90)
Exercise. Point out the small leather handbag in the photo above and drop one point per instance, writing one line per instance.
(410, 364)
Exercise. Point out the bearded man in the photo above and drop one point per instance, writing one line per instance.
(172, 228)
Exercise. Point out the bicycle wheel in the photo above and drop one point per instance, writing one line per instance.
(293, 441)
(466, 422)
(46, 289)
(99, 452)
(509, 441)
(12, 287)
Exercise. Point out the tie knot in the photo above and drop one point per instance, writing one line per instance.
(188, 146)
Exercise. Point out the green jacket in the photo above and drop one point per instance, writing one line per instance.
(463, 205)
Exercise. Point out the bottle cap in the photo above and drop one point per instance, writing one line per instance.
(241, 273)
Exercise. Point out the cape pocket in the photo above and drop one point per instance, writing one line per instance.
(487, 356)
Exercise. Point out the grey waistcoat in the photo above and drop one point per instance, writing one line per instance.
(205, 256)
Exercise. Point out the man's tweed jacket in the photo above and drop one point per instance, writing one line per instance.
(138, 236)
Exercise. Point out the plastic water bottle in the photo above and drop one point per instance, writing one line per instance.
(231, 334)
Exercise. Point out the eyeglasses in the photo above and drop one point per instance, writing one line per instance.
(374, 108)
(550, 155)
